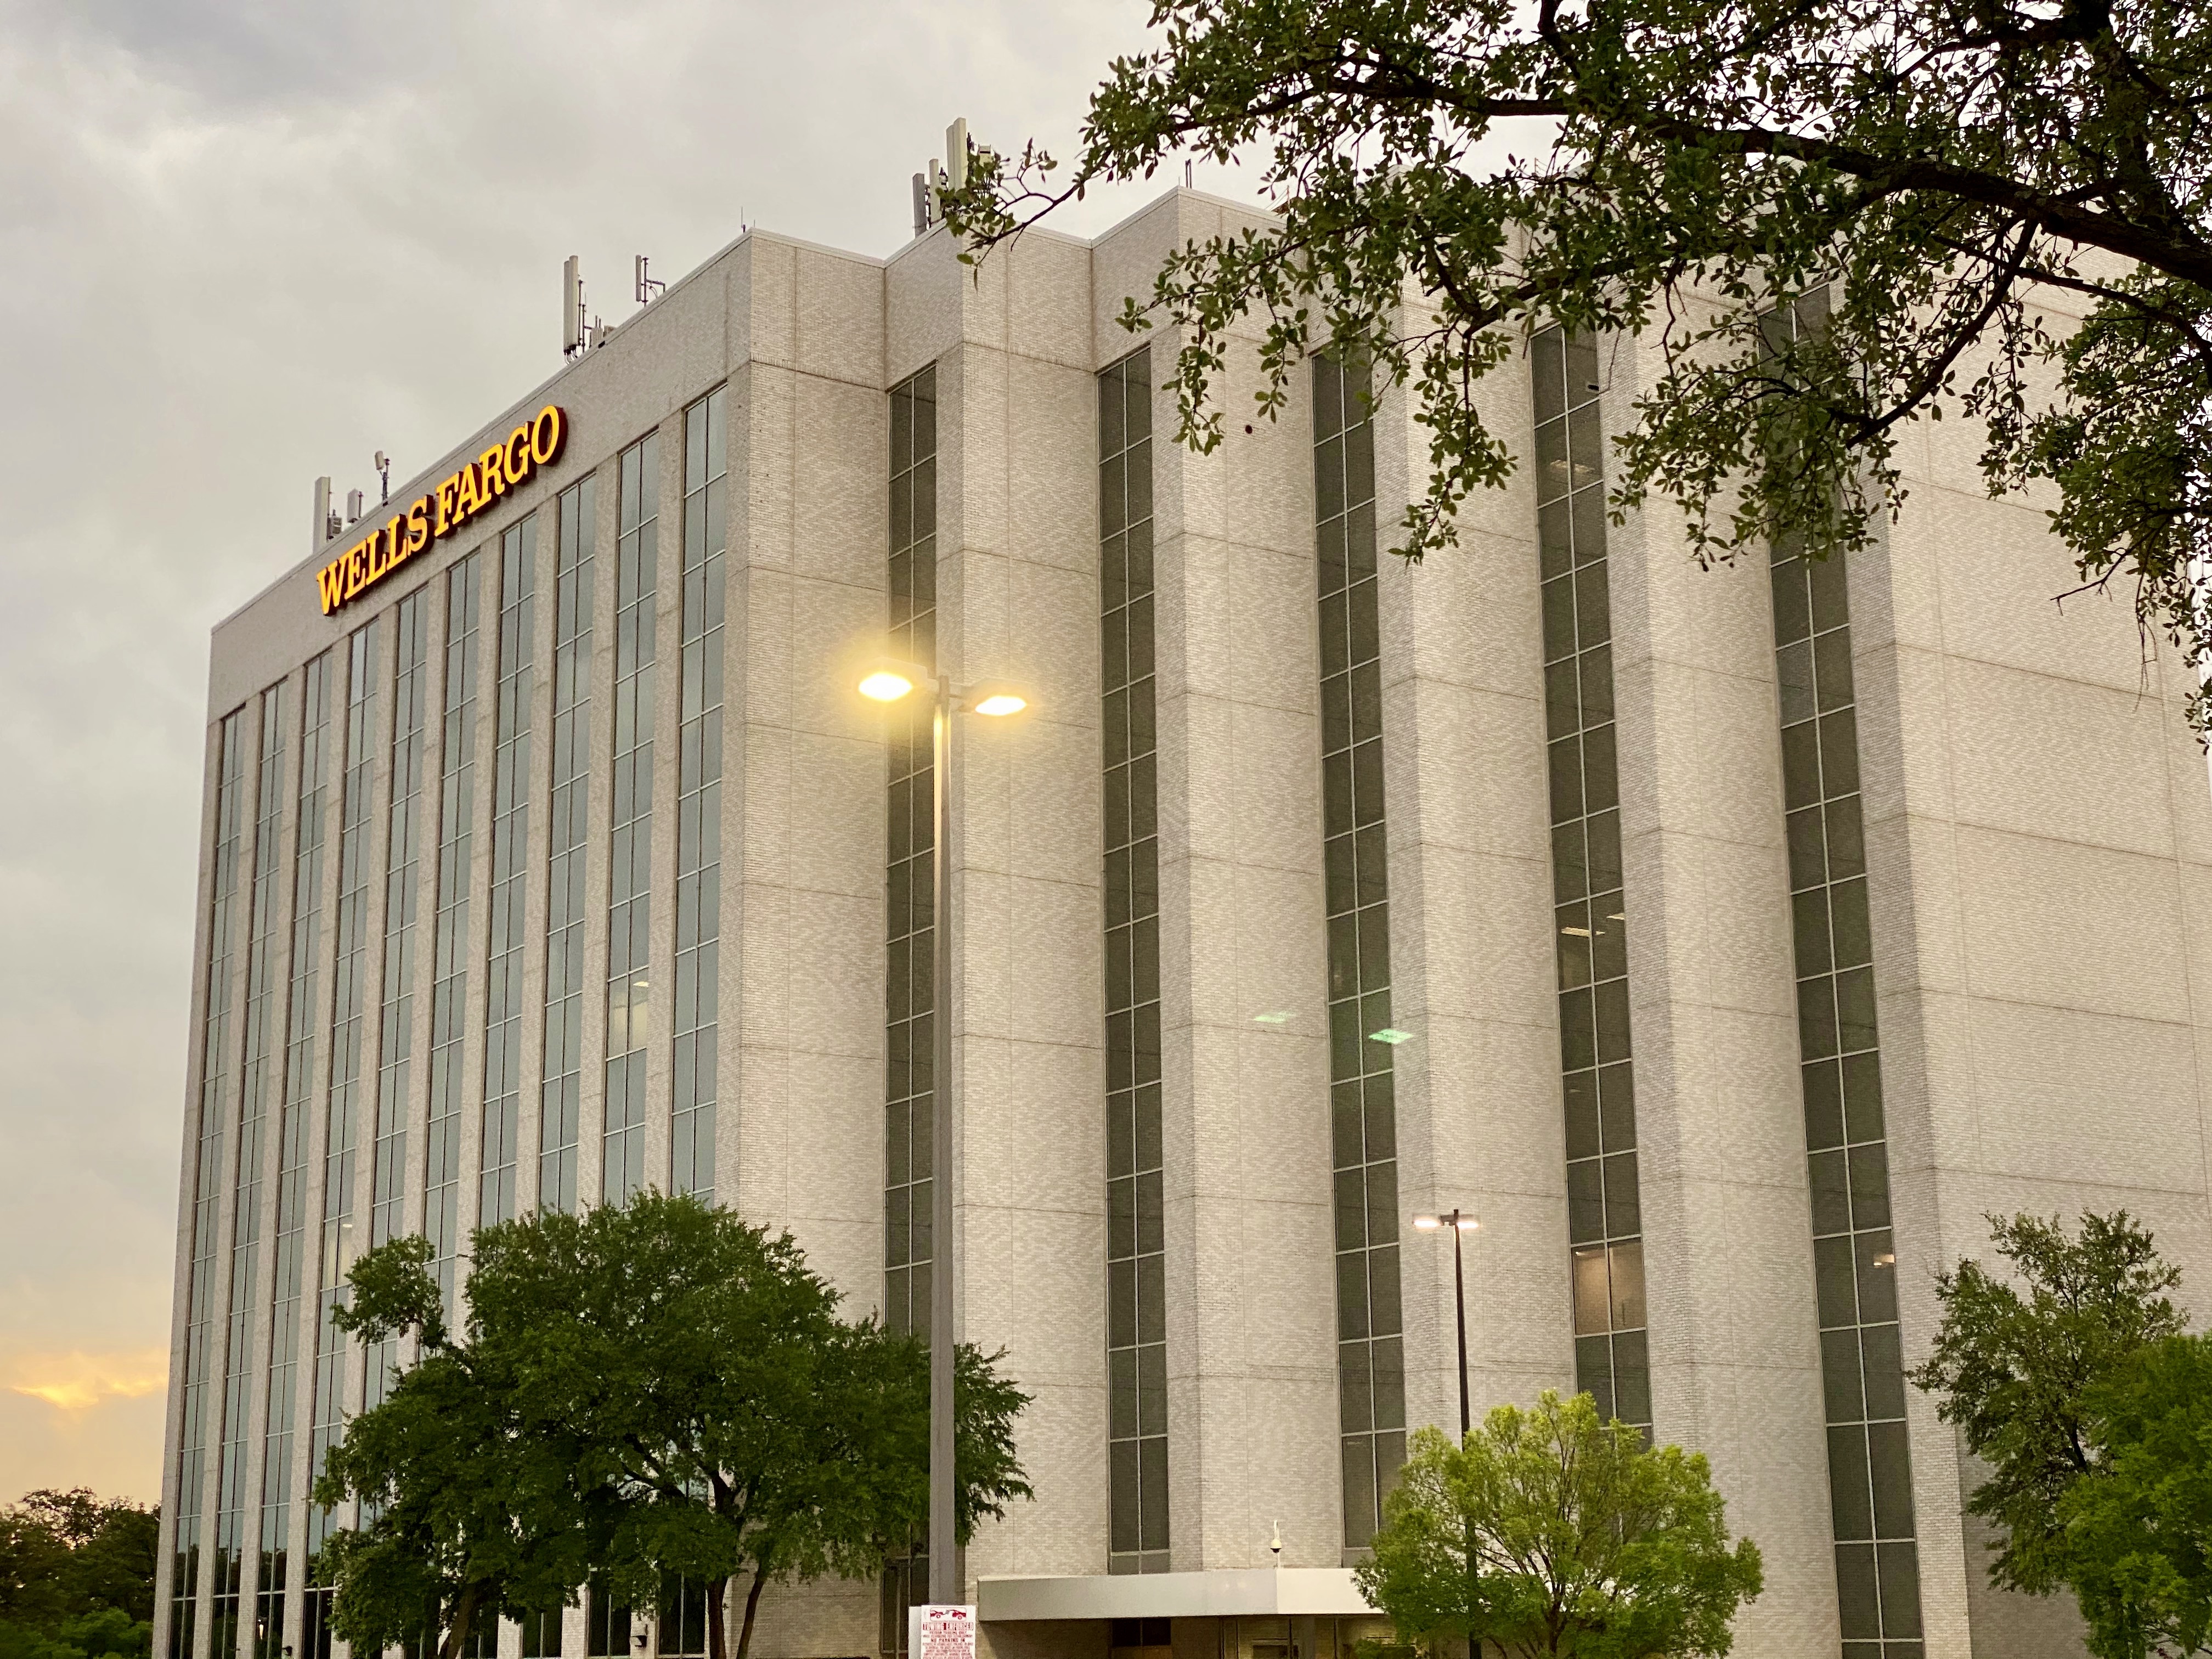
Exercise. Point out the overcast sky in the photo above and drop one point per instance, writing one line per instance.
(247, 243)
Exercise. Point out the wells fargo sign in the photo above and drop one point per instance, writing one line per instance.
(442, 511)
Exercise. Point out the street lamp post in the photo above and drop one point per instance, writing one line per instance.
(890, 682)
(1460, 1223)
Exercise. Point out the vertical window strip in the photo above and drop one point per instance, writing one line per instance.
(567, 832)
(541, 1635)
(342, 1107)
(287, 1260)
(510, 853)
(1370, 1349)
(606, 1622)
(1136, 1337)
(629, 875)
(696, 1033)
(680, 1630)
(1854, 1253)
(402, 890)
(911, 992)
(449, 972)
(201, 1289)
(1589, 927)
(910, 938)
(256, 1069)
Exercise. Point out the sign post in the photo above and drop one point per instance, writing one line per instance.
(940, 1631)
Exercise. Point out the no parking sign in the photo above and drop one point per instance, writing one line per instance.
(941, 1631)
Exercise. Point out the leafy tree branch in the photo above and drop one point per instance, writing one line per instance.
(1450, 176)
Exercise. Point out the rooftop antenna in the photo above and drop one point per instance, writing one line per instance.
(648, 287)
(353, 505)
(383, 472)
(579, 333)
(957, 149)
(1186, 174)
(326, 522)
(572, 308)
(935, 178)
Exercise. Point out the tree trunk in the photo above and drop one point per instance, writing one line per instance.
(464, 1615)
(718, 1632)
(752, 1607)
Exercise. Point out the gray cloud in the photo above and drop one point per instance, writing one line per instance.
(249, 243)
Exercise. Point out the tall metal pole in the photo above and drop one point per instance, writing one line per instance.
(1459, 1295)
(943, 1560)
(1459, 1298)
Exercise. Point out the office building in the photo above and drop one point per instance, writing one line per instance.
(1726, 941)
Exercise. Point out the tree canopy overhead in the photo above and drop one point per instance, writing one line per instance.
(1677, 166)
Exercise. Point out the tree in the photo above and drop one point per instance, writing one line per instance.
(1678, 167)
(107, 1633)
(2017, 1372)
(77, 1575)
(470, 1511)
(642, 1391)
(2137, 1532)
(1583, 1541)
(33, 1569)
(112, 1568)
(747, 1430)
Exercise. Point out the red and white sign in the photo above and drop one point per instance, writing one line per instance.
(940, 1631)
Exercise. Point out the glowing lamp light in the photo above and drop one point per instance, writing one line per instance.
(1429, 1223)
(885, 685)
(1002, 702)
